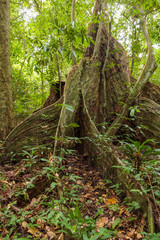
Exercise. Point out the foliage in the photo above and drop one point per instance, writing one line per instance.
(143, 161)
(41, 48)
(60, 207)
(63, 211)
(43, 42)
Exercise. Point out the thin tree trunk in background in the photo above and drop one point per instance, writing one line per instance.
(6, 105)
(20, 74)
(42, 85)
(73, 23)
(59, 76)
(134, 36)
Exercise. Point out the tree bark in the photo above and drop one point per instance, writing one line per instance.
(6, 107)
(38, 129)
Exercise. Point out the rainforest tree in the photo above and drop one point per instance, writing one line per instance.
(100, 94)
(6, 107)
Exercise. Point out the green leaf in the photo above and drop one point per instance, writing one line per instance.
(78, 213)
(136, 190)
(137, 110)
(132, 112)
(74, 125)
(85, 237)
(155, 238)
(51, 214)
(116, 222)
(96, 236)
(71, 213)
(53, 185)
(131, 90)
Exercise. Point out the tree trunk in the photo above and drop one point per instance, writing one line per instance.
(6, 107)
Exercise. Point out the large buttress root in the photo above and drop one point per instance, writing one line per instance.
(38, 129)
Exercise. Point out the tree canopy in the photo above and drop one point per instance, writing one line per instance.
(42, 35)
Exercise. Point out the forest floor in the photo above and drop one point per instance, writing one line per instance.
(39, 200)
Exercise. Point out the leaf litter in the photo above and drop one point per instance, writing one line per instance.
(26, 195)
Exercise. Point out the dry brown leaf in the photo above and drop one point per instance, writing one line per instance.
(138, 236)
(40, 222)
(34, 200)
(127, 238)
(110, 201)
(120, 236)
(87, 195)
(61, 237)
(127, 213)
(45, 237)
(79, 182)
(5, 231)
(7, 183)
(17, 172)
(50, 233)
(82, 200)
(122, 210)
(101, 183)
(24, 224)
(51, 158)
(143, 222)
(131, 234)
(35, 232)
(104, 195)
(101, 222)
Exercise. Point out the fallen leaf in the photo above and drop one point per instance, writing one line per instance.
(122, 210)
(61, 237)
(138, 236)
(50, 233)
(131, 233)
(24, 224)
(101, 222)
(120, 236)
(34, 200)
(18, 171)
(101, 183)
(127, 213)
(110, 201)
(35, 232)
(40, 223)
(79, 182)
(45, 237)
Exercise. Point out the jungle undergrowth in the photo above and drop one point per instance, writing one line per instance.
(59, 210)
